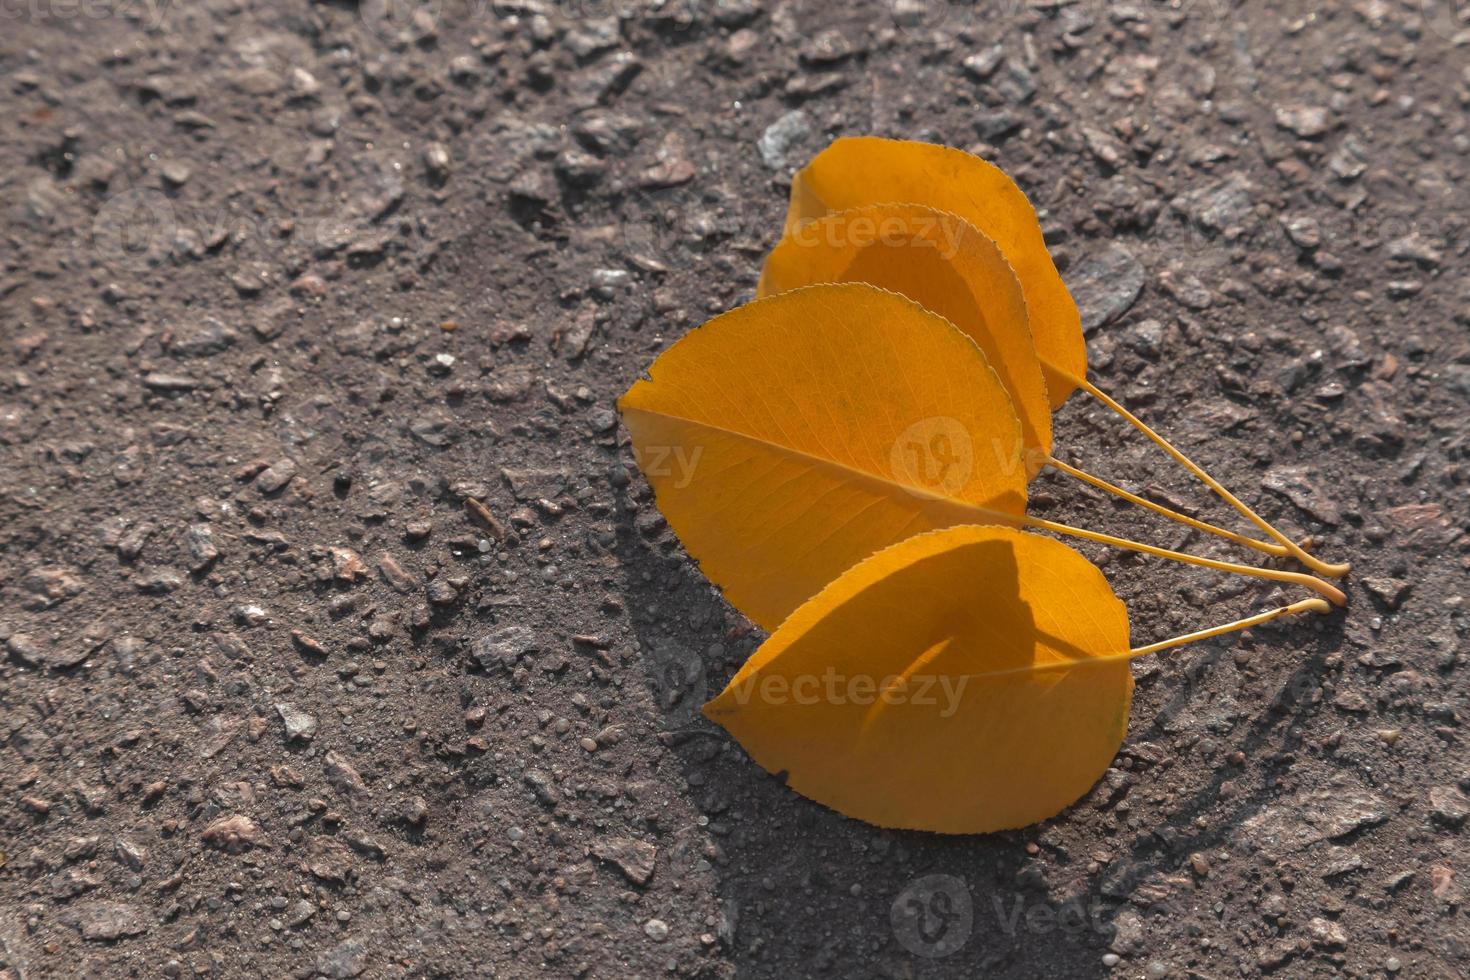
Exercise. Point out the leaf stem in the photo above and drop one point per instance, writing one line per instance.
(1296, 551)
(1276, 550)
(1305, 605)
(1325, 589)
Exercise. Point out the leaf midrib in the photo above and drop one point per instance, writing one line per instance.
(887, 483)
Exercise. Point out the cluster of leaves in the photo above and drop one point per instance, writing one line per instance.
(865, 431)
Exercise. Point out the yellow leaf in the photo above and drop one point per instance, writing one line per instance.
(863, 170)
(942, 263)
(795, 436)
(949, 683)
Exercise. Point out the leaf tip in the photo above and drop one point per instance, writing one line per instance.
(715, 709)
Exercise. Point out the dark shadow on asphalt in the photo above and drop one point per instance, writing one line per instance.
(806, 888)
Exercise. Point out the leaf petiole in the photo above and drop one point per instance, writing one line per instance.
(1296, 608)
(1275, 550)
(1294, 549)
(1325, 589)
(1305, 605)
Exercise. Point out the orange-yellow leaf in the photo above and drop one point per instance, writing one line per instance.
(944, 264)
(949, 683)
(793, 437)
(858, 171)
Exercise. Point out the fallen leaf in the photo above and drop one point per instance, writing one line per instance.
(952, 683)
(792, 437)
(865, 170)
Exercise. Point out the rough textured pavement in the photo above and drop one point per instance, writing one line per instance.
(343, 638)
